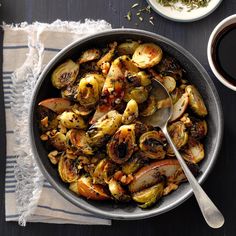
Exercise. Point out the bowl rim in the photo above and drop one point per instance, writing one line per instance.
(93, 209)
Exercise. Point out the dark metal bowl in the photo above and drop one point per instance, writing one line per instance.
(196, 74)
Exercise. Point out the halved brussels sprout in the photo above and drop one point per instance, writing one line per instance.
(57, 105)
(77, 139)
(179, 136)
(139, 94)
(152, 174)
(151, 145)
(89, 55)
(100, 80)
(147, 55)
(81, 110)
(127, 48)
(193, 152)
(144, 78)
(117, 191)
(169, 83)
(71, 120)
(103, 172)
(122, 144)
(133, 164)
(57, 140)
(88, 91)
(87, 189)
(65, 74)
(180, 107)
(149, 196)
(150, 106)
(199, 129)
(127, 64)
(170, 66)
(67, 169)
(130, 113)
(109, 55)
(104, 128)
(195, 101)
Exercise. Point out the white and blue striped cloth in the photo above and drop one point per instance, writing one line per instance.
(51, 207)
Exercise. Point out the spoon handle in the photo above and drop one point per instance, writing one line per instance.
(211, 214)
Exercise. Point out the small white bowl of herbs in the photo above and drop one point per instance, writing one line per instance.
(184, 10)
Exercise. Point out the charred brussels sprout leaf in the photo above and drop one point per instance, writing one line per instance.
(89, 55)
(130, 113)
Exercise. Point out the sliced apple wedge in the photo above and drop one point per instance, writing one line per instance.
(91, 191)
(57, 105)
(180, 107)
(153, 174)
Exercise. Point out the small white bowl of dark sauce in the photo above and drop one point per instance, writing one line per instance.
(221, 52)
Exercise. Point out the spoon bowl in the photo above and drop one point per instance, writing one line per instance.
(160, 119)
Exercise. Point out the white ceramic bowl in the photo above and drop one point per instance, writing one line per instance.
(184, 15)
(221, 26)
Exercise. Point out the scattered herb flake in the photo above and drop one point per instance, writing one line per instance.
(135, 5)
(151, 22)
(128, 16)
(140, 18)
(138, 13)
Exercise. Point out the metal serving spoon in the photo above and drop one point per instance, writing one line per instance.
(160, 118)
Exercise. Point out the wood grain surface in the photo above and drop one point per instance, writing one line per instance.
(220, 185)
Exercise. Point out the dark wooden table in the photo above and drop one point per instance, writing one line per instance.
(221, 184)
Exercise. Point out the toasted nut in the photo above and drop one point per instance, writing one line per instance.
(44, 137)
(118, 175)
(44, 121)
(53, 157)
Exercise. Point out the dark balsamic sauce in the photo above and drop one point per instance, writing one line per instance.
(224, 53)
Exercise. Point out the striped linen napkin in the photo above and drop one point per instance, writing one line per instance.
(26, 50)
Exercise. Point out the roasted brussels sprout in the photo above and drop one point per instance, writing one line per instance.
(65, 74)
(150, 106)
(144, 78)
(151, 145)
(104, 128)
(77, 139)
(180, 107)
(198, 130)
(88, 91)
(130, 113)
(103, 172)
(127, 48)
(122, 144)
(109, 55)
(99, 78)
(193, 151)
(147, 55)
(57, 140)
(57, 105)
(196, 101)
(179, 136)
(149, 196)
(87, 189)
(81, 110)
(127, 64)
(117, 191)
(170, 66)
(67, 169)
(71, 120)
(89, 55)
(139, 94)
